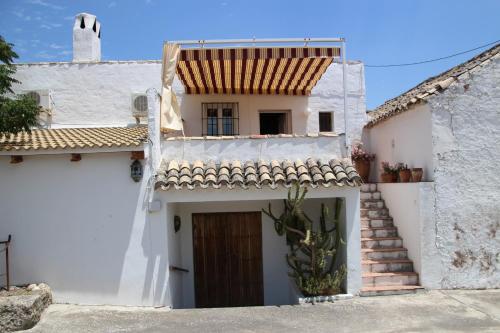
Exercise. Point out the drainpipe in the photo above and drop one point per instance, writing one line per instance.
(344, 84)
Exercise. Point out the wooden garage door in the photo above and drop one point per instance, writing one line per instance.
(227, 250)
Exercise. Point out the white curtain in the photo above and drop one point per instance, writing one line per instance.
(170, 114)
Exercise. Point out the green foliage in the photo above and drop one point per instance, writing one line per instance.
(19, 113)
(313, 248)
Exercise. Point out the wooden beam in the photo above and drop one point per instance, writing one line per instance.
(14, 159)
(76, 157)
(137, 155)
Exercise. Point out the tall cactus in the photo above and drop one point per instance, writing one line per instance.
(313, 248)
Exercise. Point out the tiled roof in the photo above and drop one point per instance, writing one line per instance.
(74, 138)
(312, 173)
(428, 88)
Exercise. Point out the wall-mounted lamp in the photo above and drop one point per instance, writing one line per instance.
(136, 171)
(177, 223)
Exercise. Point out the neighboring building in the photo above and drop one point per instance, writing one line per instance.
(81, 224)
(450, 126)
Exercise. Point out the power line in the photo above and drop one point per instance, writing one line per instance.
(436, 59)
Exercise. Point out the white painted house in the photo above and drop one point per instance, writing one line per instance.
(268, 117)
(449, 125)
(121, 196)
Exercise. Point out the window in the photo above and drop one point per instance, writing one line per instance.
(326, 121)
(220, 119)
(274, 122)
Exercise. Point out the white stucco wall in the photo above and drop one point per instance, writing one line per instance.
(405, 138)
(247, 149)
(466, 159)
(90, 94)
(328, 95)
(412, 206)
(82, 228)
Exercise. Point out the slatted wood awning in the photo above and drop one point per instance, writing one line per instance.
(265, 71)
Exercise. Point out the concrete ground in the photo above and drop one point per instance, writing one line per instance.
(433, 311)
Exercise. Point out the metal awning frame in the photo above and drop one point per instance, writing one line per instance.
(254, 41)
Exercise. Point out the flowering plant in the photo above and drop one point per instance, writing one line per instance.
(358, 153)
(402, 167)
(391, 169)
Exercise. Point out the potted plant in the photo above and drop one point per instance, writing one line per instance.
(390, 173)
(416, 174)
(362, 160)
(404, 173)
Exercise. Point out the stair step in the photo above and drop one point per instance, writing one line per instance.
(390, 290)
(374, 212)
(379, 232)
(373, 279)
(377, 222)
(368, 187)
(370, 195)
(372, 203)
(384, 253)
(381, 242)
(387, 265)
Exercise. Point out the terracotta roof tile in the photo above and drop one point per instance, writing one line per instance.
(74, 138)
(429, 87)
(259, 174)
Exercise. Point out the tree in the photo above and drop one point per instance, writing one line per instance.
(17, 113)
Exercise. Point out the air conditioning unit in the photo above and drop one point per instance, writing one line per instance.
(42, 98)
(139, 105)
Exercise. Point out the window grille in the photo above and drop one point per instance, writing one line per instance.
(220, 119)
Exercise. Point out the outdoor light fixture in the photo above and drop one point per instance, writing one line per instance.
(136, 171)
(177, 223)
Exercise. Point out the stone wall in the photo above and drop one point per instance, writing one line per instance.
(466, 159)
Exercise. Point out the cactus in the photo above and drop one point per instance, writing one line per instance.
(313, 249)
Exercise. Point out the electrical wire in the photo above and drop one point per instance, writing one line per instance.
(436, 59)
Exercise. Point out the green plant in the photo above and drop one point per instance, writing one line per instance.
(390, 169)
(402, 167)
(359, 154)
(313, 248)
(19, 113)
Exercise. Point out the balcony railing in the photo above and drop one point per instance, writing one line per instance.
(254, 147)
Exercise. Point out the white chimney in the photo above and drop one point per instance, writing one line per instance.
(86, 38)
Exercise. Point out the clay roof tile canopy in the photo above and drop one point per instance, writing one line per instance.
(311, 173)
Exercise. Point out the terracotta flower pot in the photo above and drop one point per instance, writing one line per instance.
(416, 174)
(388, 177)
(404, 175)
(363, 168)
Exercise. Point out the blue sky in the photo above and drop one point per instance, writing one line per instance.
(377, 32)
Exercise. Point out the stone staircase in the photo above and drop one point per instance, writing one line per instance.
(386, 267)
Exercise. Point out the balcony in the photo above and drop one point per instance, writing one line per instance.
(322, 146)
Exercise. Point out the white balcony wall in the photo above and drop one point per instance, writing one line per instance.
(245, 149)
